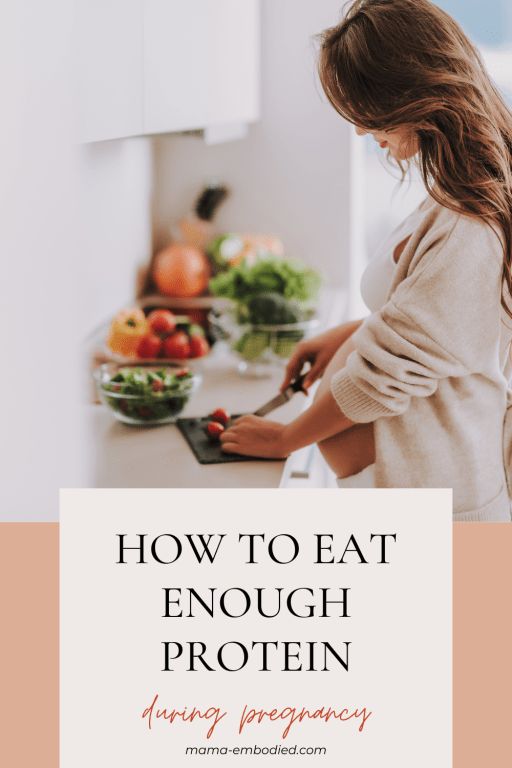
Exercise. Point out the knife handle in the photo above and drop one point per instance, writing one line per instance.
(297, 384)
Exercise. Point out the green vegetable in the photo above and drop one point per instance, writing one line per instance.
(273, 309)
(270, 274)
(284, 342)
(252, 344)
(274, 291)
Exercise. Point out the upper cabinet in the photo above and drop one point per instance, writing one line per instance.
(110, 73)
(160, 66)
(176, 67)
(235, 61)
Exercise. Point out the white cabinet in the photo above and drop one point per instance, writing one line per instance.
(160, 66)
(176, 66)
(201, 63)
(234, 61)
(109, 58)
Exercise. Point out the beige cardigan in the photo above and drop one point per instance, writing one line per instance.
(431, 369)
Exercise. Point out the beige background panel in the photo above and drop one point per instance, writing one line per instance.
(29, 645)
(482, 644)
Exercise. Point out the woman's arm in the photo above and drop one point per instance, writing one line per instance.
(321, 420)
(254, 436)
(317, 351)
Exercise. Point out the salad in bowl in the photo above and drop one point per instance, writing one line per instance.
(145, 395)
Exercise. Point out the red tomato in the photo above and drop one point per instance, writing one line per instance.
(199, 347)
(220, 415)
(182, 372)
(149, 346)
(214, 430)
(177, 346)
(157, 385)
(162, 322)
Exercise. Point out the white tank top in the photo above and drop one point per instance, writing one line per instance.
(378, 275)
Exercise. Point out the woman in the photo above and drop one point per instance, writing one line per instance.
(416, 395)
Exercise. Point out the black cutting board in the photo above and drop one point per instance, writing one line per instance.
(206, 451)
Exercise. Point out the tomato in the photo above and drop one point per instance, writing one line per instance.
(214, 430)
(177, 346)
(157, 385)
(220, 415)
(199, 347)
(149, 346)
(162, 322)
(182, 372)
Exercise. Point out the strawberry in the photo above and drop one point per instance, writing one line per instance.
(214, 430)
(220, 415)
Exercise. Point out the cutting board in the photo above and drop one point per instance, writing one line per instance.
(206, 451)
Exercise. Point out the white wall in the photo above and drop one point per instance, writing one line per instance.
(292, 175)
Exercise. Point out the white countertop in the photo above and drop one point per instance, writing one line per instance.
(156, 457)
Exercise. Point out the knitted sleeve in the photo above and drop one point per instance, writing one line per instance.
(442, 321)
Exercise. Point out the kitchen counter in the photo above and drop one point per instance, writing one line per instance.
(122, 456)
(155, 457)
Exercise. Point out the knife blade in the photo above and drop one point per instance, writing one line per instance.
(296, 386)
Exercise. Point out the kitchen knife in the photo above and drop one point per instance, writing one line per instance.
(296, 386)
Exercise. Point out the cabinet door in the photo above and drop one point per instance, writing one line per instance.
(109, 38)
(234, 61)
(201, 63)
(176, 64)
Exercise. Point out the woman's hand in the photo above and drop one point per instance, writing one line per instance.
(254, 436)
(317, 351)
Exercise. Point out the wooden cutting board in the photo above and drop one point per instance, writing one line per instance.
(206, 451)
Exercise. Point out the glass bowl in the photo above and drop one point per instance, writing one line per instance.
(259, 348)
(145, 395)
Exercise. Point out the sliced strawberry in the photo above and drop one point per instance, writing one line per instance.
(214, 430)
(220, 415)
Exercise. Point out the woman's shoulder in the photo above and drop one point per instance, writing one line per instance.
(454, 258)
(458, 235)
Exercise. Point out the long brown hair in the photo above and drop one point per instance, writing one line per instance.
(407, 63)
